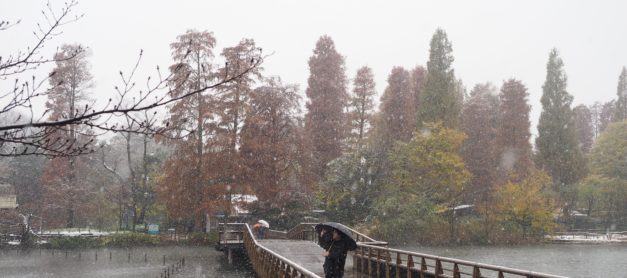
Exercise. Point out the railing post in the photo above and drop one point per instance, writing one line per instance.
(281, 265)
(438, 268)
(410, 265)
(369, 261)
(456, 273)
(501, 274)
(378, 264)
(387, 264)
(423, 268)
(398, 265)
(476, 273)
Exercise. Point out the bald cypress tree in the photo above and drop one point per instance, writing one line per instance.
(558, 153)
(513, 132)
(479, 121)
(361, 104)
(440, 100)
(396, 120)
(325, 122)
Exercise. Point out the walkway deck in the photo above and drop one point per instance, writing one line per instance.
(294, 254)
(305, 253)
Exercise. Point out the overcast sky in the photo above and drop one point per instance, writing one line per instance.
(492, 40)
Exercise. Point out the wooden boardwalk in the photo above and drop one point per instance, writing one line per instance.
(294, 254)
(305, 253)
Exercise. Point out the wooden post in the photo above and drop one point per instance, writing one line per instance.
(438, 268)
(398, 265)
(456, 273)
(476, 273)
(387, 264)
(423, 268)
(410, 265)
(370, 261)
(378, 264)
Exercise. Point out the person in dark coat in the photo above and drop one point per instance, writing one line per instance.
(325, 238)
(335, 253)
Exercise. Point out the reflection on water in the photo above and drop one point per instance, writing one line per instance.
(572, 260)
(144, 262)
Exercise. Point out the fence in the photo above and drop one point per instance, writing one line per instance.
(386, 262)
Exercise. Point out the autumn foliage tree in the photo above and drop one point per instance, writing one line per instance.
(397, 119)
(361, 104)
(427, 176)
(325, 121)
(269, 143)
(513, 132)
(480, 153)
(185, 174)
(525, 207)
(62, 181)
(232, 104)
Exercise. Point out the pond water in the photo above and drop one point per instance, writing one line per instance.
(144, 262)
(572, 260)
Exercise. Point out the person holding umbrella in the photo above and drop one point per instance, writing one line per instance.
(336, 240)
(260, 228)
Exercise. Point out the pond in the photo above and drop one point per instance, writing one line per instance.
(108, 262)
(572, 260)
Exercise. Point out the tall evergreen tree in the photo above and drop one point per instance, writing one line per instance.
(620, 109)
(479, 122)
(558, 153)
(513, 132)
(584, 128)
(440, 100)
(416, 87)
(325, 122)
(362, 104)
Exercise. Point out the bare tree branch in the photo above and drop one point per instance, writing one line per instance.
(39, 135)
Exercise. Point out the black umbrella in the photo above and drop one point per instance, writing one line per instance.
(348, 235)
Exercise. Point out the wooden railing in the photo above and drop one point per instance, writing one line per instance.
(387, 262)
(229, 233)
(267, 263)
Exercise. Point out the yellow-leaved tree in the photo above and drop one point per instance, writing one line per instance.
(525, 208)
(427, 176)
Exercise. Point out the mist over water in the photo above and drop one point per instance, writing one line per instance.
(200, 262)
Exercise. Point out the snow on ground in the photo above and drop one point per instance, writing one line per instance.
(594, 238)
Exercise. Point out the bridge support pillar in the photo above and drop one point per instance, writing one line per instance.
(229, 255)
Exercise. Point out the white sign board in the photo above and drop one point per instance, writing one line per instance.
(8, 201)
